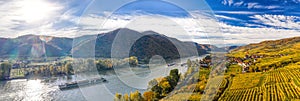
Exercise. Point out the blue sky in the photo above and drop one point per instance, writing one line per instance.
(203, 21)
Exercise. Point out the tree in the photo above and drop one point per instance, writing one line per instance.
(51, 68)
(157, 90)
(118, 97)
(133, 61)
(5, 70)
(165, 85)
(149, 96)
(174, 75)
(189, 63)
(136, 96)
(126, 97)
(190, 70)
(68, 69)
(152, 83)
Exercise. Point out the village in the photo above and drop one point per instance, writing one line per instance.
(249, 60)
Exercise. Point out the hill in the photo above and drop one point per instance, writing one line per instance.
(262, 71)
(148, 43)
(270, 47)
(34, 46)
(123, 42)
(269, 54)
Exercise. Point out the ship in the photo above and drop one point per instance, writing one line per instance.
(77, 84)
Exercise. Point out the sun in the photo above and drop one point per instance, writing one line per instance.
(35, 10)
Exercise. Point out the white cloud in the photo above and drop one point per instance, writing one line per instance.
(244, 35)
(249, 5)
(237, 12)
(278, 21)
(201, 29)
(227, 2)
(226, 17)
(21, 15)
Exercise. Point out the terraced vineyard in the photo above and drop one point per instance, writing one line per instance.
(278, 85)
(249, 80)
(266, 71)
(253, 94)
(278, 76)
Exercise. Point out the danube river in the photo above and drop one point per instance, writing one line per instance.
(127, 80)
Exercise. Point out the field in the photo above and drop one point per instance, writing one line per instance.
(276, 85)
(281, 84)
(249, 80)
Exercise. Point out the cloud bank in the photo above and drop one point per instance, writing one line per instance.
(203, 27)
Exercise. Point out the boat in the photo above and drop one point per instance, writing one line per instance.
(171, 64)
(77, 84)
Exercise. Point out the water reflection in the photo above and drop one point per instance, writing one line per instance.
(36, 90)
(39, 90)
(33, 90)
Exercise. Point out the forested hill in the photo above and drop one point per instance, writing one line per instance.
(48, 46)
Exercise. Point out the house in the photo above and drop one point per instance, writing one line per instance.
(16, 65)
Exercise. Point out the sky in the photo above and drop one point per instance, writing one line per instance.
(232, 22)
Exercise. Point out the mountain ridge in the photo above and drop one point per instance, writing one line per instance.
(50, 46)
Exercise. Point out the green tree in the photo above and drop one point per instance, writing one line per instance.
(174, 75)
(152, 83)
(5, 70)
(157, 90)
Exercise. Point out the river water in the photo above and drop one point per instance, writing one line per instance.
(125, 82)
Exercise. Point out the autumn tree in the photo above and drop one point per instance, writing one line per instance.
(68, 69)
(149, 96)
(133, 61)
(189, 63)
(118, 97)
(126, 97)
(165, 85)
(136, 96)
(51, 68)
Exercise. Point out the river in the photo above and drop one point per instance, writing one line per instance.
(125, 81)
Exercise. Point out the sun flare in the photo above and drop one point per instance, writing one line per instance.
(35, 10)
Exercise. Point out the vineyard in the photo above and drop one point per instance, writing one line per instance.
(271, 72)
(281, 84)
(276, 85)
(249, 80)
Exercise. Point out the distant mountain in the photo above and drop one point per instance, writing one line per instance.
(212, 48)
(35, 46)
(124, 42)
(229, 48)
